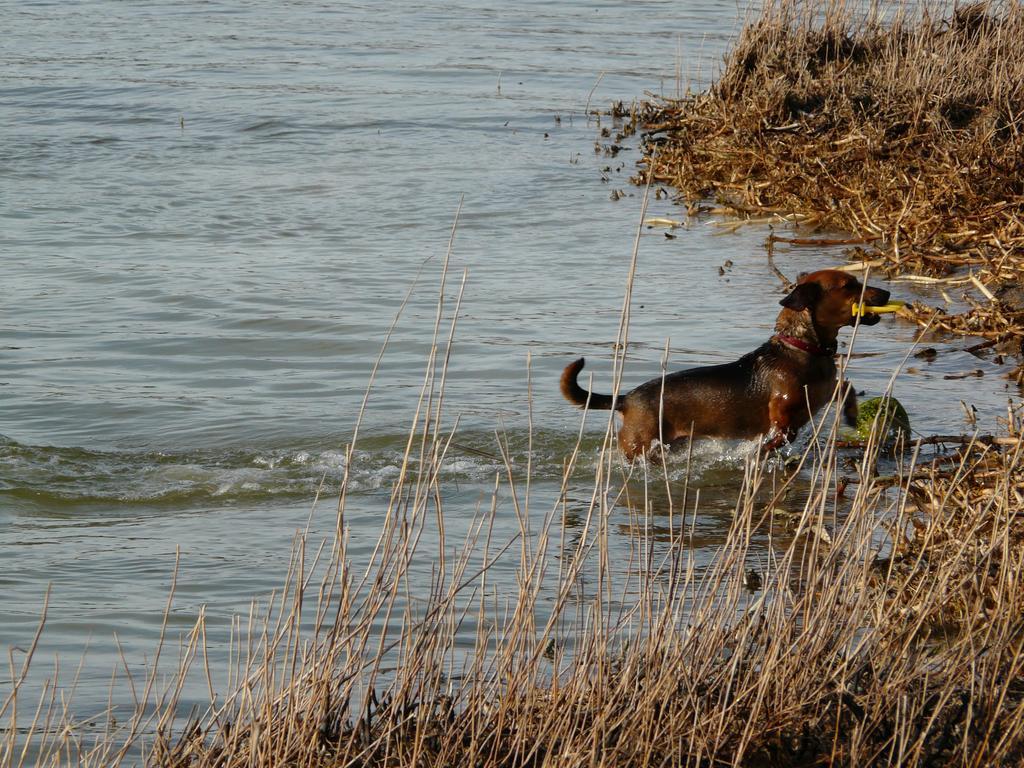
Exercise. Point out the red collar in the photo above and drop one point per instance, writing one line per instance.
(804, 346)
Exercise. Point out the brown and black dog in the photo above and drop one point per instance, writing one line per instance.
(771, 391)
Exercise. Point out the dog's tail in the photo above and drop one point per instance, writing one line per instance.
(576, 394)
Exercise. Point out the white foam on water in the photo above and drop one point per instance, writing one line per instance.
(191, 478)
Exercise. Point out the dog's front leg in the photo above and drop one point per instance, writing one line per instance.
(784, 409)
(774, 440)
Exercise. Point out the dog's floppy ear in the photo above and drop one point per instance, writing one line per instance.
(802, 296)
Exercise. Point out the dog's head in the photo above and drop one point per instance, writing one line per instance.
(830, 294)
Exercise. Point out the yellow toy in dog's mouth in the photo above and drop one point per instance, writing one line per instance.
(859, 310)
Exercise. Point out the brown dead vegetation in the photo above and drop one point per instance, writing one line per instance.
(906, 132)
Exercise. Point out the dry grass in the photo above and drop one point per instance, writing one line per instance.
(881, 626)
(850, 651)
(905, 133)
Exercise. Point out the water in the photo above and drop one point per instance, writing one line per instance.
(211, 215)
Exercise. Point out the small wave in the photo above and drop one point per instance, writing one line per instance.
(54, 476)
(712, 457)
(61, 476)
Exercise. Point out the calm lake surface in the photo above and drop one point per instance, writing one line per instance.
(213, 211)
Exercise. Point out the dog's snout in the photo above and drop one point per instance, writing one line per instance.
(877, 296)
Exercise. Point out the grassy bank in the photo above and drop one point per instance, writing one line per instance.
(902, 134)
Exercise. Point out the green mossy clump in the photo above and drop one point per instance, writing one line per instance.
(891, 415)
